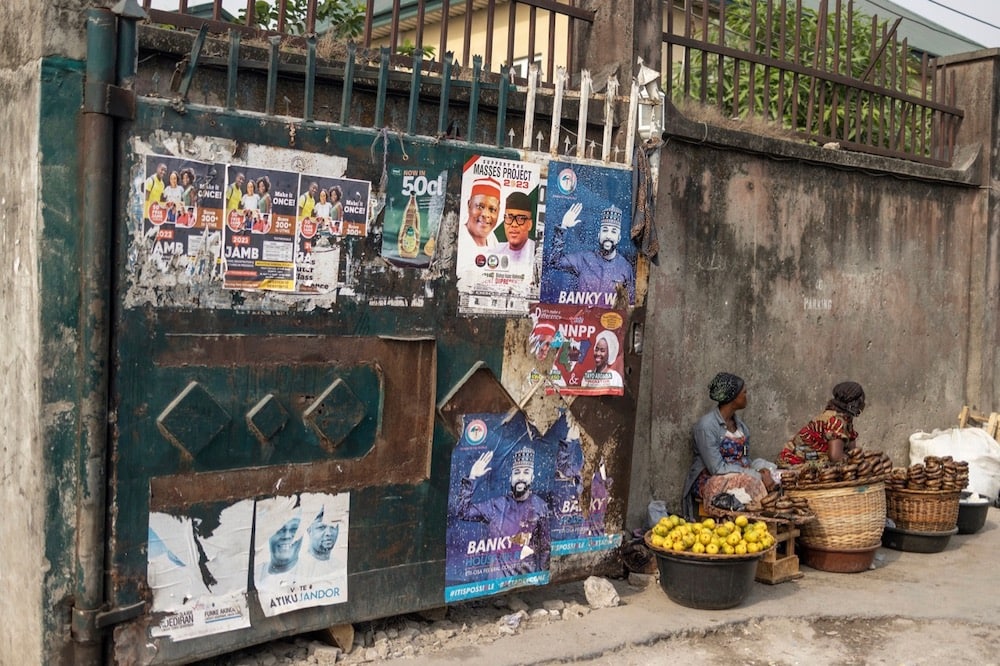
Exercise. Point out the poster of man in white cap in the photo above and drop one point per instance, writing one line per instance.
(589, 257)
(497, 254)
(300, 551)
(197, 570)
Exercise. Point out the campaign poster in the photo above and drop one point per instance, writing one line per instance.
(578, 349)
(588, 256)
(182, 212)
(197, 569)
(413, 208)
(578, 508)
(497, 259)
(300, 551)
(499, 522)
(258, 248)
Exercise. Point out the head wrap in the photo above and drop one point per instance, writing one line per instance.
(724, 388)
(612, 342)
(487, 187)
(848, 398)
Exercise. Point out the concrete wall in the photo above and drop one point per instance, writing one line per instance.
(797, 268)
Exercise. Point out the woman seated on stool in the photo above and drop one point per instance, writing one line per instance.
(829, 436)
(721, 442)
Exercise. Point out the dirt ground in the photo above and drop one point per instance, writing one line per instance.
(910, 609)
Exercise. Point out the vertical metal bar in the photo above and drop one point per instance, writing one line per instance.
(893, 73)
(570, 25)
(394, 29)
(849, 71)
(609, 116)
(557, 100)
(310, 17)
(511, 29)
(272, 74)
(420, 25)
(687, 51)
(183, 7)
(834, 94)
(581, 125)
(532, 17)
(782, 50)
(309, 95)
(952, 121)
(251, 13)
(552, 44)
(529, 106)
(490, 12)
(383, 78)
(233, 68)
(502, 104)
(720, 60)
(924, 126)
(445, 18)
(668, 58)
(633, 115)
(196, 47)
(751, 65)
(768, 52)
(871, 96)
(703, 93)
(282, 15)
(477, 70)
(798, 61)
(369, 17)
(467, 37)
(345, 99)
(416, 70)
(445, 99)
(217, 10)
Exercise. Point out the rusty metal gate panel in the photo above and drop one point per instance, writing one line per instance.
(225, 400)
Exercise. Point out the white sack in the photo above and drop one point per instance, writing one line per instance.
(973, 445)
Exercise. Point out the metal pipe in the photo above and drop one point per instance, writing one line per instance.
(96, 162)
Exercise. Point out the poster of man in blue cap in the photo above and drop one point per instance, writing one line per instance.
(588, 256)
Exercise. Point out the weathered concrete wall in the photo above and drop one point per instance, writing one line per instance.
(797, 268)
(23, 460)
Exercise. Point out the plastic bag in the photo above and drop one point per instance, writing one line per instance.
(657, 509)
(727, 502)
(973, 445)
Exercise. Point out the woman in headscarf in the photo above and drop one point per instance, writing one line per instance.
(721, 443)
(829, 436)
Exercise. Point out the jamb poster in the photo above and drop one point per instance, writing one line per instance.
(258, 249)
(499, 223)
(338, 206)
(413, 210)
(588, 256)
(197, 569)
(498, 524)
(182, 211)
(579, 350)
(300, 551)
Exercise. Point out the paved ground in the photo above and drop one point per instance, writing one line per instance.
(912, 609)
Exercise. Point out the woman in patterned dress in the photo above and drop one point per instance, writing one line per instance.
(829, 436)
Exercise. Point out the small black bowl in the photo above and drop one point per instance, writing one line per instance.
(972, 515)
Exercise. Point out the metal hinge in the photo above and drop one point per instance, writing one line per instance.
(89, 625)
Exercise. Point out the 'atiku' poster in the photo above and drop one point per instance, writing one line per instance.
(182, 212)
(498, 530)
(578, 512)
(579, 349)
(300, 551)
(197, 571)
(413, 211)
(258, 249)
(588, 256)
(497, 252)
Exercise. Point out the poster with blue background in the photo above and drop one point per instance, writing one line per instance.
(588, 257)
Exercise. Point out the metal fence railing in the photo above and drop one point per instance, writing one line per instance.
(828, 76)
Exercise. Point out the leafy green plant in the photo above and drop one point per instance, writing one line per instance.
(781, 95)
(345, 18)
(408, 48)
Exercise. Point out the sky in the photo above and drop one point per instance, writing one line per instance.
(955, 15)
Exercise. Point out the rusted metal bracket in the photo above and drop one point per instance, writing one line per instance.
(109, 99)
(89, 625)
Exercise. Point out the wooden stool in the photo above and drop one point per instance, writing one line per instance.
(781, 564)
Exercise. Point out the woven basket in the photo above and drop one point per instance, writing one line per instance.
(923, 510)
(847, 517)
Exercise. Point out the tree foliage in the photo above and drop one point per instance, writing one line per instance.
(345, 18)
(782, 95)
